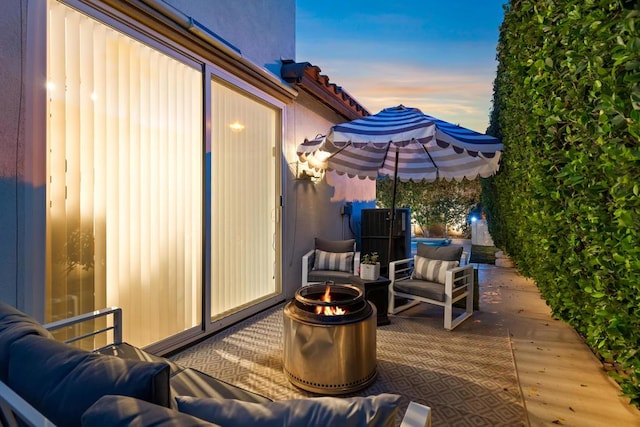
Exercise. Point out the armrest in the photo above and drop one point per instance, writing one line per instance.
(416, 415)
(12, 405)
(116, 312)
(307, 264)
(455, 275)
(400, 269)
(356, 263)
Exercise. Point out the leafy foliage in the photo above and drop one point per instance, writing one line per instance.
(566, 202)
(447, 202)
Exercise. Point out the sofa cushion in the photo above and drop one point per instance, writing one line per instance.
(444, 253)
(186, 381)
(334, 245)
(380, 410)
(191, 382)
(333, 261)
(116, 411)
(62, 381)
(14, 325)
(432, 270)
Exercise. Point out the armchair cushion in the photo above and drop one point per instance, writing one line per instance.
(334, 261)
(421, 288)
(444, 253)
(433, 270)
(335, 245)
(377, 410)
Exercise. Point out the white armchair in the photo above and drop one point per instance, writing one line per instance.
(330, 260)
(437, 280)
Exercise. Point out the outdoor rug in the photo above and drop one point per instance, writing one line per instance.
(467, 376)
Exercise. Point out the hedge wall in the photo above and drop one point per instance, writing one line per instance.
(565, 204)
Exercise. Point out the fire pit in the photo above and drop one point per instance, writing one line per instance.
(330, 339)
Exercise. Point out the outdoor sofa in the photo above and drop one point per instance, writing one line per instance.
(45, 382)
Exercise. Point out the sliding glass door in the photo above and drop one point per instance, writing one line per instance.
(125, 190)
(162, 190)
(243, 152)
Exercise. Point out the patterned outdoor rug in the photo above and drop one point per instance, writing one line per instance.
(466, 376)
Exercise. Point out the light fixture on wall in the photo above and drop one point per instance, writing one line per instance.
(304, 173)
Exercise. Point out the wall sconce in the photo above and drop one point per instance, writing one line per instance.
(306, 174)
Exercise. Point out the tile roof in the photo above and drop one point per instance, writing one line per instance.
(307, 77)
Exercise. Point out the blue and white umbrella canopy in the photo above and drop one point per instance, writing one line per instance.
(427, 148)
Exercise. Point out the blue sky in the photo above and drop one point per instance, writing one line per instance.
(434, 55)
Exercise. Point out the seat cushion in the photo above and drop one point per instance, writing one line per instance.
(123, 411)
(186, 381)
(444, 253)
(62, 381)
(14, 325)
(421, 288)
(369, 411)
(334, 245)
(190, 382)
(327, 275)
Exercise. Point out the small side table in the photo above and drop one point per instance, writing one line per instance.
(376, 292)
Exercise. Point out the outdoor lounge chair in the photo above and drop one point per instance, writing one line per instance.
(330, 260)
(433, 276)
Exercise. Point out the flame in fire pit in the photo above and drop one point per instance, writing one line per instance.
(328, 310)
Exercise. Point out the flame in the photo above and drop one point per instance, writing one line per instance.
(326, 310)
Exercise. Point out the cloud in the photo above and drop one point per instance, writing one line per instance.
(458, 95)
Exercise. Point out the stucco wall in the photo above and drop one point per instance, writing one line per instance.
(10, 105)
(308, 209)
(263, 30)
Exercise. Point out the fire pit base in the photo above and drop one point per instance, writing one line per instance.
(330, 355)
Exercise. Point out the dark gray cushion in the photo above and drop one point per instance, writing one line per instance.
(421, 288)
(62, 381)
(187, 381)
(14, 325)
(334, 276)
(116, 411)
(191, 382)
(368, 411)
(444, 253)
(335, 245)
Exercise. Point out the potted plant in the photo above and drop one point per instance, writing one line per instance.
(370, 266)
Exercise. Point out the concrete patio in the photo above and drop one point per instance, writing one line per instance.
(562, 381)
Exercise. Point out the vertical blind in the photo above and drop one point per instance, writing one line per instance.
(243, 200)
(125, 149)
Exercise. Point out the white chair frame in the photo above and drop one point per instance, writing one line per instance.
(459, 279)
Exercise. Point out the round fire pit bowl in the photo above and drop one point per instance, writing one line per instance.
(330, 354)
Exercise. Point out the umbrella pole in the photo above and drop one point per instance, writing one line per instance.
(392, 213)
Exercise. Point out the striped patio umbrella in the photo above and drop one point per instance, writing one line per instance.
(404, 144)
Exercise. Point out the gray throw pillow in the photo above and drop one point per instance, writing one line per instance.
(371, 411)
(444, 253)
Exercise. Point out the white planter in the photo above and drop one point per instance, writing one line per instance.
(370, 271)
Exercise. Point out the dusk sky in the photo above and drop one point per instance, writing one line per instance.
(435, 55)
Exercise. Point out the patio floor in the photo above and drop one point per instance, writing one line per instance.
(562, 381)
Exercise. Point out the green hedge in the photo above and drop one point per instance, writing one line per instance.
(565, 204)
